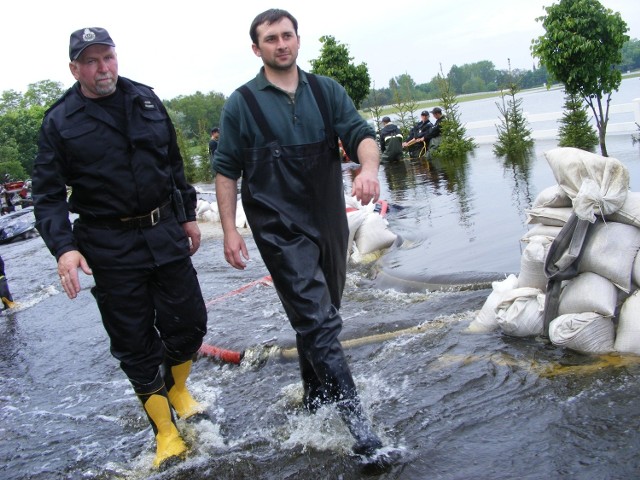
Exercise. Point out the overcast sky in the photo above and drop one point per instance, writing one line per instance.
(186, 46)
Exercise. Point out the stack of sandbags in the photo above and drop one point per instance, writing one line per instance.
(598, 311)
(207, 211)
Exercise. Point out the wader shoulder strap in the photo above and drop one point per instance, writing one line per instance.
(256, 111)
(261, 120)
(324, 111)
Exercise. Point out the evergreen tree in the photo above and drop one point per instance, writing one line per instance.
(454, 142)
(514, 135)
(575, 129)
(404, 105)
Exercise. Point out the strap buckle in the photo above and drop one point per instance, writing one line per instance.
(155, 216)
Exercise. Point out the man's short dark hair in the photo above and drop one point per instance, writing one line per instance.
(270, 16)
(215, 130)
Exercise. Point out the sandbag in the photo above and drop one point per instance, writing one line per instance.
(532, 264)
(629, 212)
(597, 185)
(552, 197)
(548, 231)
(241, 217)
(373, 234)
(628, 332)
(520, 312)
(586, 332)
(354, 219)
(485, 320)
(588, 292)
(610, 250)
(548, 216)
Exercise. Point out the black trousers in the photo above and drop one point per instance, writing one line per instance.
(149, 311)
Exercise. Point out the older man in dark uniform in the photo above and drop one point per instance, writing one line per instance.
(110, 139)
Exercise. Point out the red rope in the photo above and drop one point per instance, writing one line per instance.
(266, 281)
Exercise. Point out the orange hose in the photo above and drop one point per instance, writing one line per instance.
(228, 356)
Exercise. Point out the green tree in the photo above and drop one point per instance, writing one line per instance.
(43, 93)
(21, 127)
(514, 136)
(582, 45)
(404, 105)
(454, 143)
(335, 62)
(375, 106)
(630, 55)
(575, 129)
(196, 110)
(10, 161)
(190, 169)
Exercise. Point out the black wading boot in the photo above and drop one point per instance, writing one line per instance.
(314, 395)
(367, 442)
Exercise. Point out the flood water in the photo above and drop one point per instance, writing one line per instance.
(456, 405)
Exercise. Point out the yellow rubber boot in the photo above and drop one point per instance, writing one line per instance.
(180, 398)
(170, 447)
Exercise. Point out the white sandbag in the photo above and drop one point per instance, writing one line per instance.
(210, 216)
(588, 292)
(241, 218)
(629, 212)
(609, 250)
(628, 332)
(521, 312)
(532, 264)
(538, 230)
(586, 332)
(202, 206)
(373, 234)
(548, 216)
(354, 219)
(485, 320)
(553, 197)
(597, 185)
(352, 202)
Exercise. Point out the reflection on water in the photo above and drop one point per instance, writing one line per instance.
(517, 168)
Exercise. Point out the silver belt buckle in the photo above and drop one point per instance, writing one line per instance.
(155, 216)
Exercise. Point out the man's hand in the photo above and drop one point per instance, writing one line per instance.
(68, 270)
(193, 233)
(235, 250)
(366, 186)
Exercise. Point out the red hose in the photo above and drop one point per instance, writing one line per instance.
(228, 356)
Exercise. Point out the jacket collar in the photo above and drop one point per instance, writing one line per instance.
(75, 100)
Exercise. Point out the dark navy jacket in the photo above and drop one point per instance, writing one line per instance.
(112, 174)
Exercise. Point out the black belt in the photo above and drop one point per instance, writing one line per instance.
(142, 221)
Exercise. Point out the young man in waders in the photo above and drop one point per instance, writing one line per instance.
(280, 133)
(111, 140)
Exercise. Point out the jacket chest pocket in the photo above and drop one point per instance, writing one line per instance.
(83, 143)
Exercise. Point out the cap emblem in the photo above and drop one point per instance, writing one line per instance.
(88, 35)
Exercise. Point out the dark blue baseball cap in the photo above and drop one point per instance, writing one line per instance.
(85, 37)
